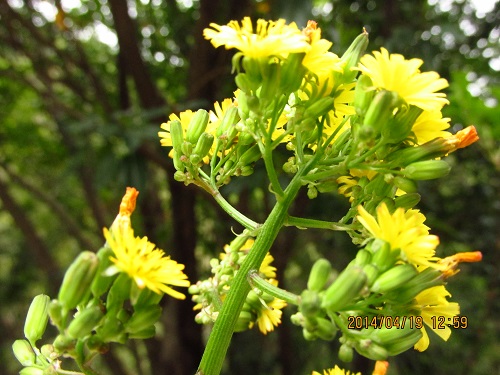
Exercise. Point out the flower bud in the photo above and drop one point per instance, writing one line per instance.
(346, 353)
(394, 277)
(397, 339)
(371, 350)
(292, 73)
(344, 289)
(399, 128)
(143, 319)
(202, 148)
(102, 281)
(310, 303)
(111, 330)
(118, 293)
(146, 333)
(426, 279)
(363, 94)
(24, 352)
(176, 134)
(85, 322)
(37, 318)
(227, 125)
(427, 170)
(380, 110)
(320, 272)
(319, 108)
(245, 320)
(63, 343)
(405, 184)
(76, 284)
(371, 272)
(197, 126)
(351, 57)
(326, 329)
(362, 257)
(250, 156)
(407, 201)
(382, 257)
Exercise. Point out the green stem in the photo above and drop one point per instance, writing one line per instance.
(234, 213)
(300, 222)
(262, 284)
(220, 337)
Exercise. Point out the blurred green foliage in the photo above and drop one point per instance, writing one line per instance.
(77, 126)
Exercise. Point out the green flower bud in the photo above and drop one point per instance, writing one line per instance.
(346, 353)
(407, 201)
(102, 281)
(380, 110)
(310, 303)
(111, 330)
(202, 148)
(75, 288)
(399, 128)
(326, 329)
(292, 73)
(24, 352)
(405, 184)
(404, 343)
(312, 192)
(118, 293)
(176, 134)
(250, 156)
(426, 279)
(197, 126)
(245, 319)
(178, 164)
(319, 108)
(37, 318)
(344, 289)
(427, 170)
(227, 125)
(429, 150)
(362, 257)
(85, 322)
(146, 333)
(351, 57)
(394, 277)
(371, 272)
(143, 318)
(31, 371)
(308, 335)
(363, 94)
(371, 350)
(320, 272)
(244, 83)
(382, 257)
(63, 343)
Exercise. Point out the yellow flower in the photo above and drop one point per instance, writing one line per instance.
(392, 72)
(143, 262)
(432, 304)
(335, 371)
(269, 316)
(271, 38)
(405, 231)
(430, 125)
(165, 137)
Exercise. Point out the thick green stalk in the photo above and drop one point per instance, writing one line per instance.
(220, 338)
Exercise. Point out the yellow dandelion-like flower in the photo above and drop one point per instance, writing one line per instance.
(430, 125)
(270, 38)
(336, 371)
(269, 316)
(394, 73)
(432, 303)
(144, 263)
(405, 231)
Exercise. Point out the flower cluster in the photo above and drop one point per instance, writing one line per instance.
(111, 296)
(259, 308)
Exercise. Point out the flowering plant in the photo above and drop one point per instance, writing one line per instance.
(365, 125)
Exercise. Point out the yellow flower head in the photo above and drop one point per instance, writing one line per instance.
(432, 303)
(143, 262)
(403, 230)
(394, 73)
(270, 38)
(269, 316)
(335, 371)
(430, 125)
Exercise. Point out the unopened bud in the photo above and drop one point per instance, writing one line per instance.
(202, 148)
(177, 134)
(371, 350)
(382, 257)
(405, 184)
(227, 125)
(362, 257)
(363, 94)
(85, 322)
(380, 110)
(394, 277)
(319, 108)
(351, 56)
(37, 318)
(24, 352)
(102, 281)
(320, 272)
(31, 371)
(407, 201)
(427, 170)
(344, 289)
(346, 353)
(143, 318)
(197, 126)
(325, 329)
(78, 279)
(310, 303)
(146, 333)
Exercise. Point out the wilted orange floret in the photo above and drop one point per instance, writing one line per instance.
(467, 136)
(450, 263)
(127, 205)
(380, 368)
(310, 29)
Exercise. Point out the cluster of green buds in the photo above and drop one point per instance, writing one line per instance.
(92, 310)
(209, 294)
